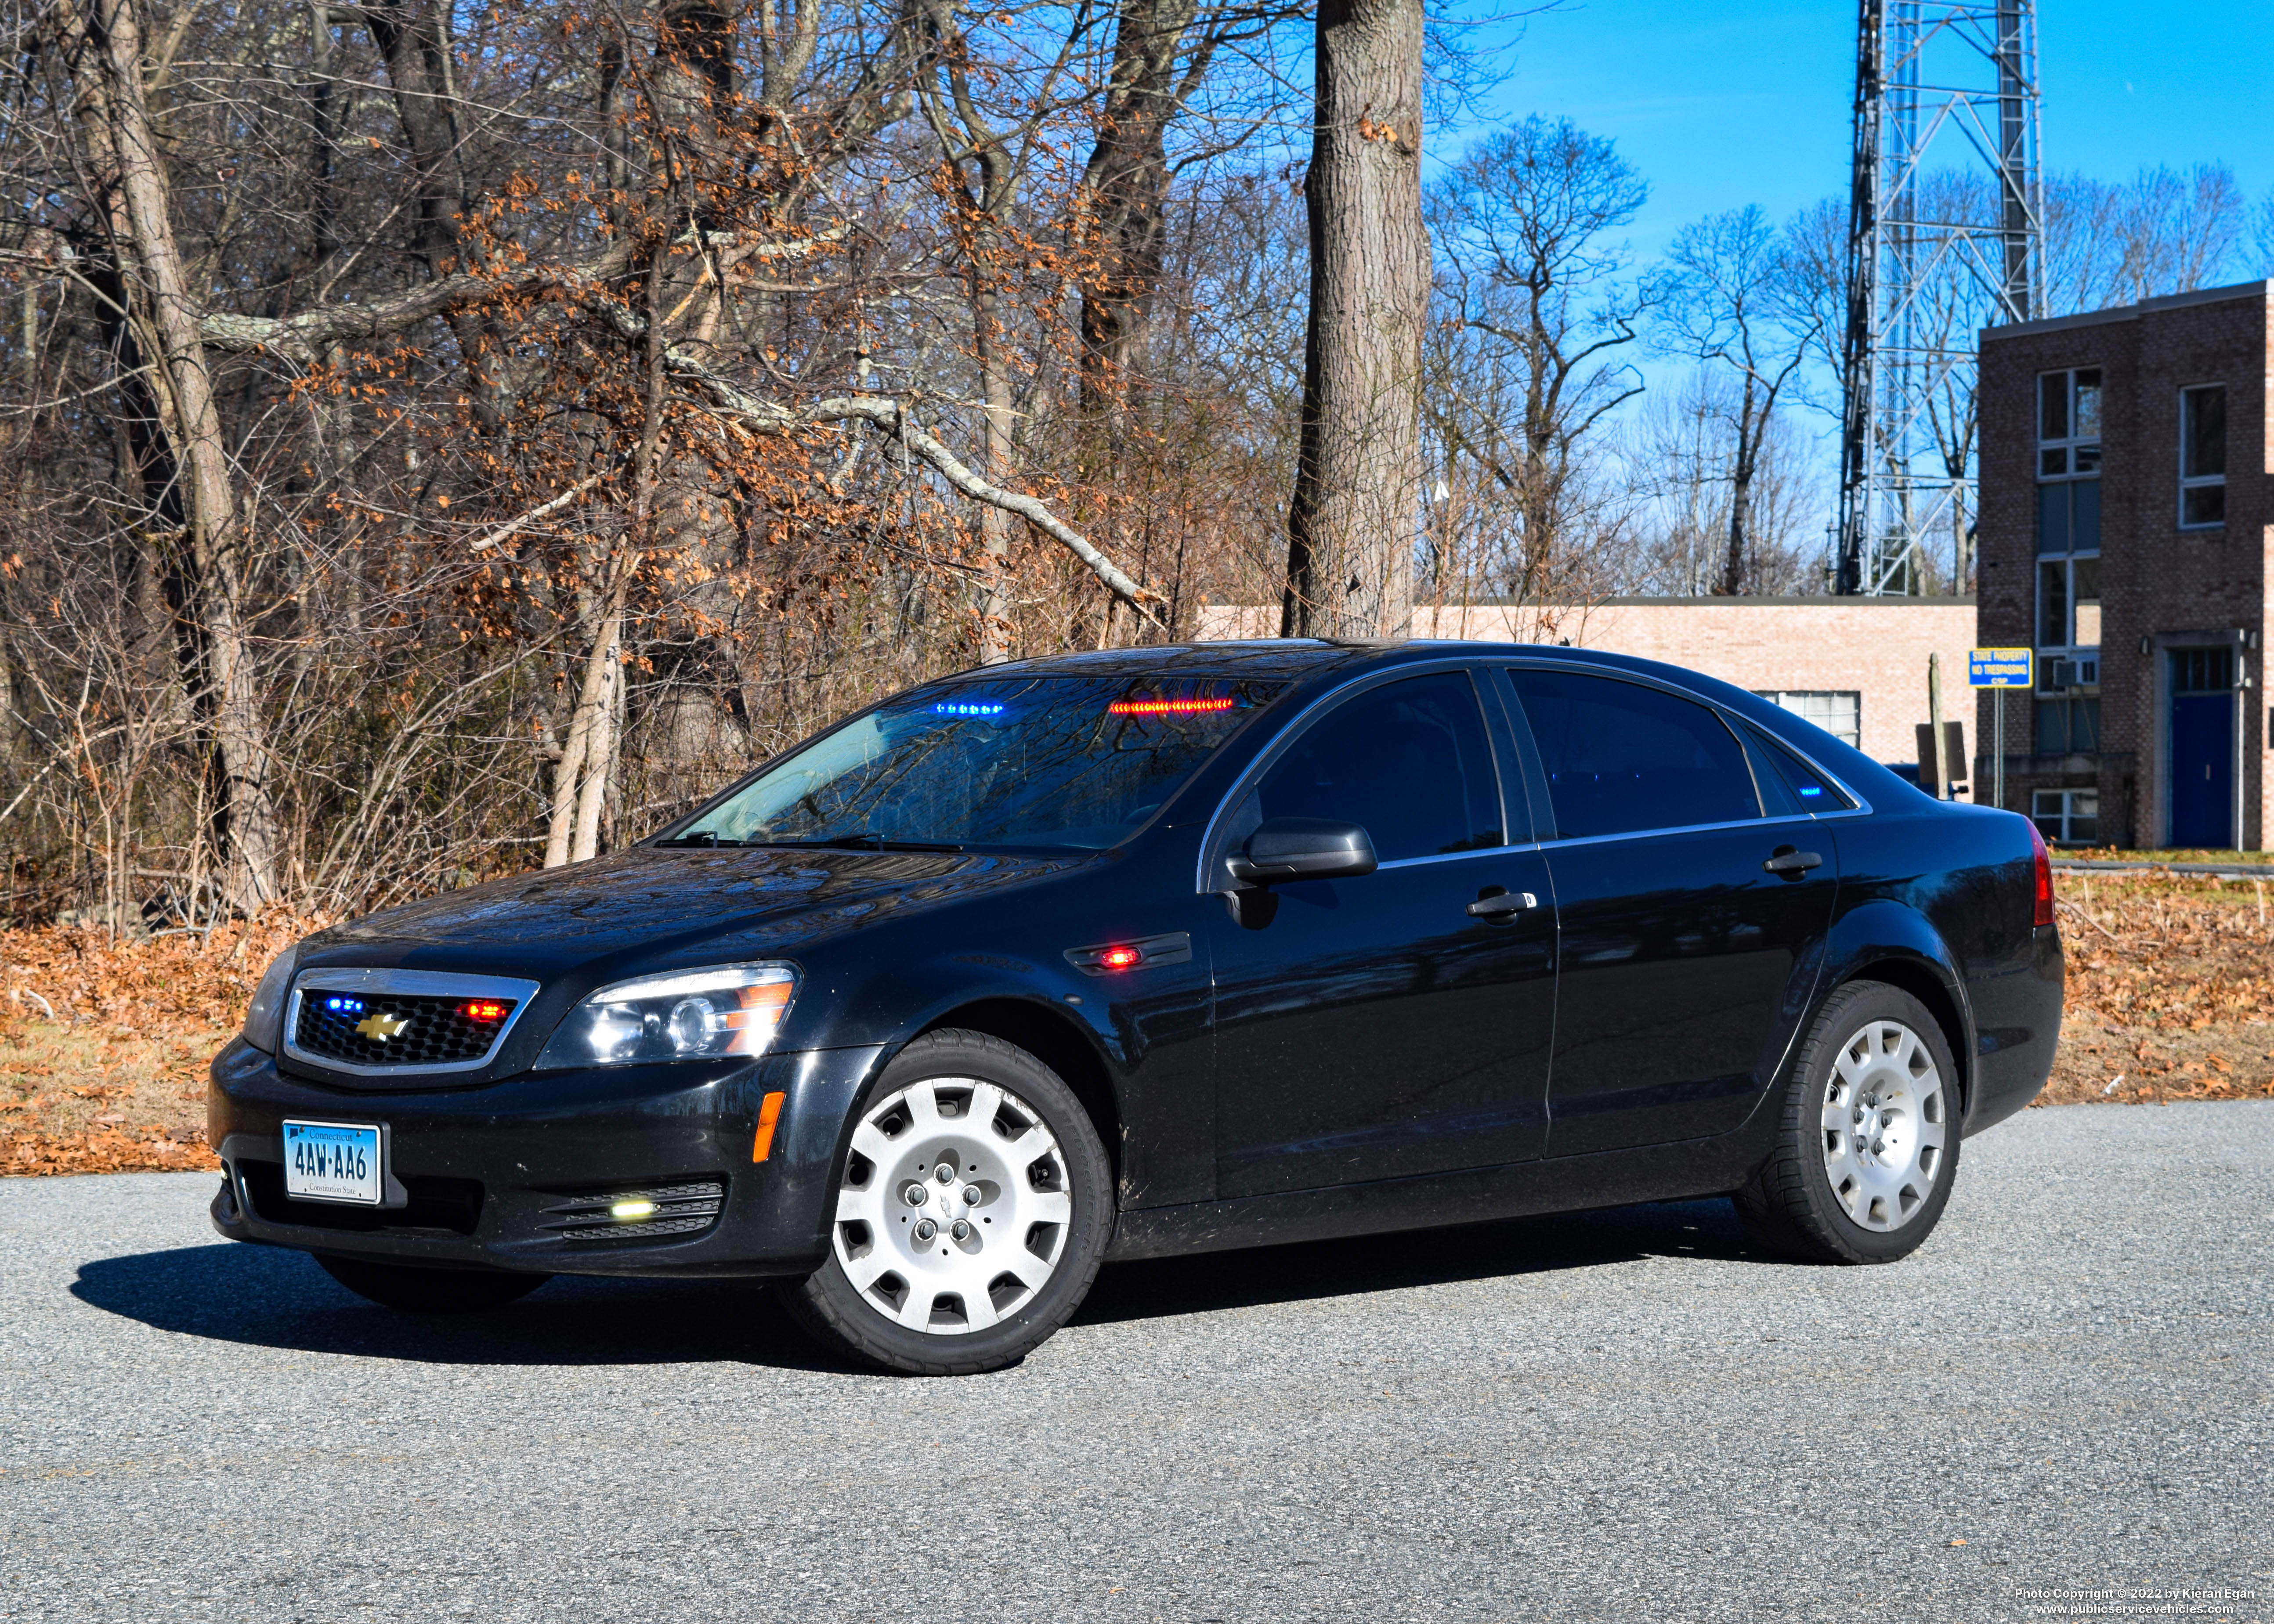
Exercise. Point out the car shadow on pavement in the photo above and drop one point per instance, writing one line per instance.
(271, 1298)
(1165, 1287)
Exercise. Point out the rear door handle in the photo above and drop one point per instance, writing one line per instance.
(1788, 860)
(1498, 903)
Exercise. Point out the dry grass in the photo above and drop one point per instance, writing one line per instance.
(104, 1044)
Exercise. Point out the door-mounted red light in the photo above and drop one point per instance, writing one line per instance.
(1121, 959)
(483, 1010)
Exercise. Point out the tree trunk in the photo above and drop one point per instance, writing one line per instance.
(1752, 426)
(105, 51)
(997, 418)
(1357, 475)
(1124, 191)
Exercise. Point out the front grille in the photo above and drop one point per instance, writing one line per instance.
(358, 1029)
(438, 1206)
(678, 1209)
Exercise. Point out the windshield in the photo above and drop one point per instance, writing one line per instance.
(1019, 761)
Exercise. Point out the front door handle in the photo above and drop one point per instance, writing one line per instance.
(1497, 902)
(1787, 860)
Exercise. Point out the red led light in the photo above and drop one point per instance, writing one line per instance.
(1120, 958)
(1167, 707)
(483, 1009)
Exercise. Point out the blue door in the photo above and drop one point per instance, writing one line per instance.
(2203, 770)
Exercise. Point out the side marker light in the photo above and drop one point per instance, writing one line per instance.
(1121, 959)
(769, 1114)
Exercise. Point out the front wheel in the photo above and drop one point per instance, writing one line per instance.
(1867, 1144)
(430, 1290)
(971, 1218)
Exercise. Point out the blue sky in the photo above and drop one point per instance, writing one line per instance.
(1735, 101)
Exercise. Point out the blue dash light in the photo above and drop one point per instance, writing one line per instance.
(954, 707)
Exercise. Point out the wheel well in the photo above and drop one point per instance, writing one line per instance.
(1923, 984)
(1058, 1044)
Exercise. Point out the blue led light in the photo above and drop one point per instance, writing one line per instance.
(952, 707)
(1811, 789)
(344, 1006)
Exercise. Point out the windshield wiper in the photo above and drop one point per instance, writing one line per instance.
(870, 842)
(705, 839)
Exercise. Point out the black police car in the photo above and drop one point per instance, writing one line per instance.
(1131, 954)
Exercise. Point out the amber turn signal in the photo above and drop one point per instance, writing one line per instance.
(769, 1113)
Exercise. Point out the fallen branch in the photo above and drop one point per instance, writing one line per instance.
(506, 531)
(887, 414)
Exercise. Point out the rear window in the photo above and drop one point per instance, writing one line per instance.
(1067, 761)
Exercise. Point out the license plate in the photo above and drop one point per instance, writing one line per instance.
(332, 1161)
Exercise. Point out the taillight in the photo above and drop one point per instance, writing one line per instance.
(2045, 877)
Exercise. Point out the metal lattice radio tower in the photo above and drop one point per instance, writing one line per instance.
(1944, 238)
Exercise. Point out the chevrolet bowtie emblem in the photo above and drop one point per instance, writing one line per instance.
(378, 1028)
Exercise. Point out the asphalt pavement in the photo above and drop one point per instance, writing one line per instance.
(1620, 1416)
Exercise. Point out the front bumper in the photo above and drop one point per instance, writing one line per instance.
(477, 1178)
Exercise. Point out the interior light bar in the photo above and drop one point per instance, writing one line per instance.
(1168, 707)
(965, 707)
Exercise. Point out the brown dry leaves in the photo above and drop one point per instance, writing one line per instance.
(2170, 989)
(105, 1044)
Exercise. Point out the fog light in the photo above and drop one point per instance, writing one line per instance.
(628, 1211)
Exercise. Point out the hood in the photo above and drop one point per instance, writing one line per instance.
(654, 907)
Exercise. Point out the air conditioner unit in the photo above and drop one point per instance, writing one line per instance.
(2076, 672)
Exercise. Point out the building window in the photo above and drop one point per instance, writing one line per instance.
(2068, 727)
(2068, 423)
(2066, 817)
(2068, 633)
(2203, 456)
(2202, 671)
(1838, 711)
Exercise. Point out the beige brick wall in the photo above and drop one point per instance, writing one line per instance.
(1876, 647)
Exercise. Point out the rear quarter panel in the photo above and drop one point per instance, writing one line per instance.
(1947, 889)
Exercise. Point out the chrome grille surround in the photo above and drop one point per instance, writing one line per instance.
(411, 983)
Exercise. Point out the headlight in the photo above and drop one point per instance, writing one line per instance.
(692, 1015)
(264, 1016)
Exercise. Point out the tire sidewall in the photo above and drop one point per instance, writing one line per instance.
(867, 1330)
(1851, 1009)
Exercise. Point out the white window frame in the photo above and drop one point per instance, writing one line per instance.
(1784, 700)
(2075, 450)
(2201, 482)
(2064, 815)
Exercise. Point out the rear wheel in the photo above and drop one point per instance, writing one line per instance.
(1867, 1146)
(429, 1290)
(971, 1218)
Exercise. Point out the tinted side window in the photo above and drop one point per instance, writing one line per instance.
(1410, 761)
(1791, 781)
(1620, 757)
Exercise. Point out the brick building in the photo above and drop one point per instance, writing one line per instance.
(2123, 534)
(1854, 666)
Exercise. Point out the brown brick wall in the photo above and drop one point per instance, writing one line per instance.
(2157, 580)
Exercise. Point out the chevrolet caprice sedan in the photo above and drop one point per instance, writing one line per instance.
(1141, 954)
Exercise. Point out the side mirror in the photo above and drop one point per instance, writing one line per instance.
(1303, 848)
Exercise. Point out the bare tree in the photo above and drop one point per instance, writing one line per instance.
(1524, 367)
(1358, 478)
(1721, 300)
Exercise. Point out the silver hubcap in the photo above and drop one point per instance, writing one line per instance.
(954, 1208)
(1884, 1129)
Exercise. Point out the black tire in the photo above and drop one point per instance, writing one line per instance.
(861, 1325)
(1798, 1204)
(415, 1290)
